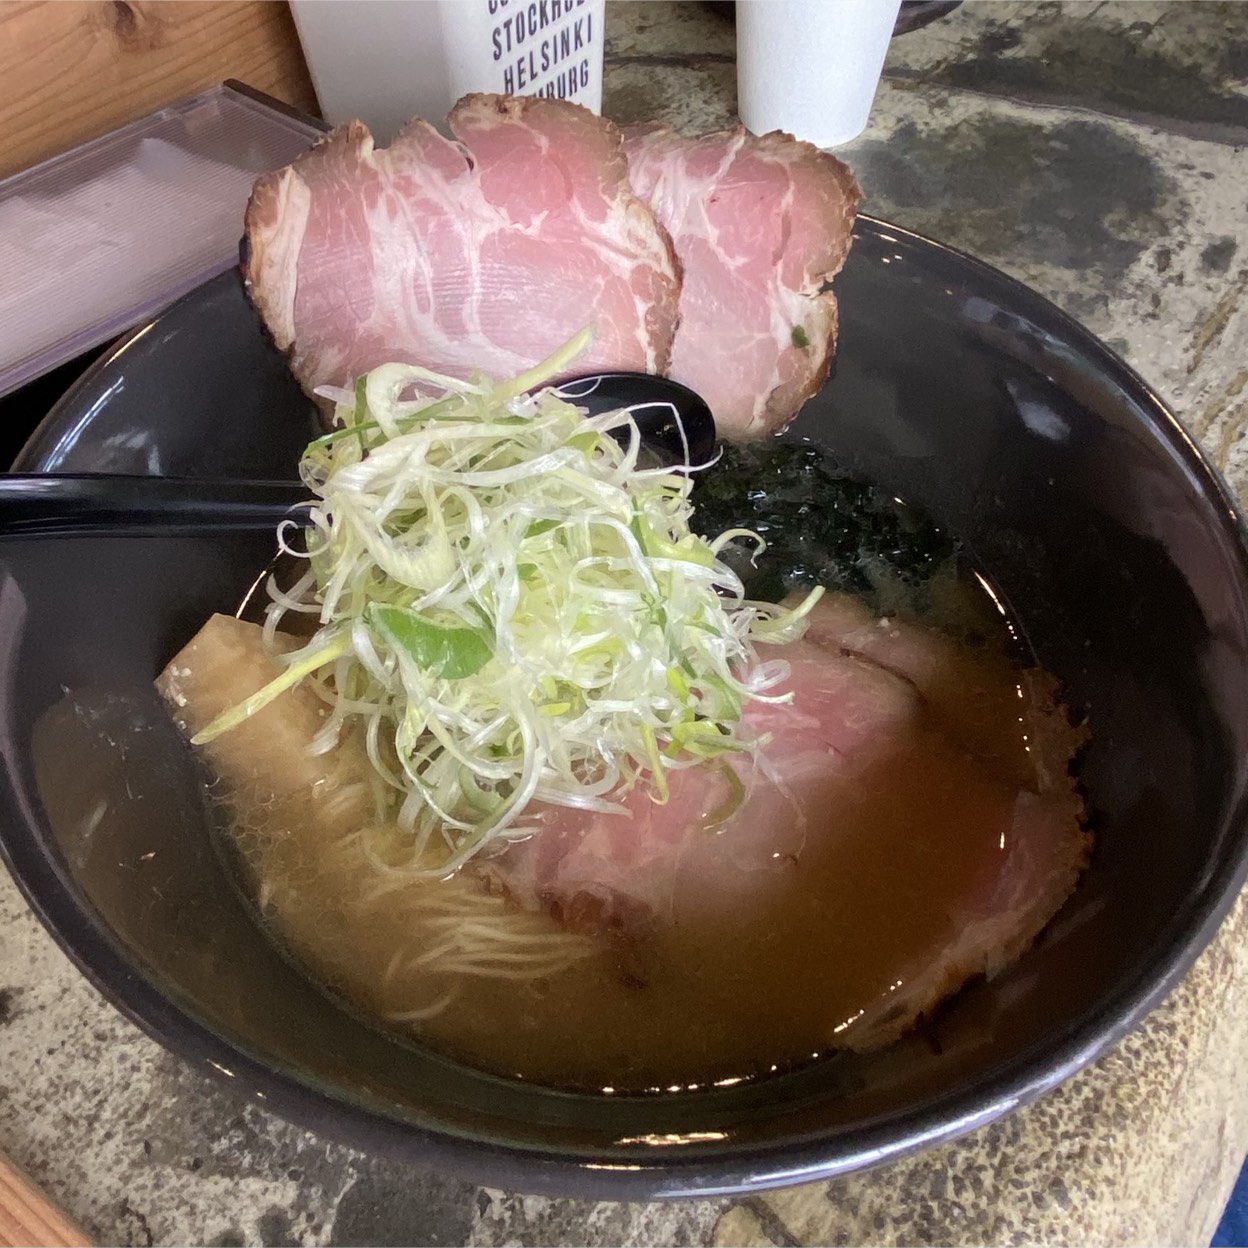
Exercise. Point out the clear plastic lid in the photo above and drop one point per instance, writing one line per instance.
(103, 237)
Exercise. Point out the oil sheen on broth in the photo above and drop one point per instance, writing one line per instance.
(716, 988)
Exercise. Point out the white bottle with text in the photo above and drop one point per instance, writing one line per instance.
(384, 61)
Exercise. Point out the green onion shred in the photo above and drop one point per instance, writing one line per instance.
(513, 610)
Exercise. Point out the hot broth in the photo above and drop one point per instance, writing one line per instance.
(832, 906)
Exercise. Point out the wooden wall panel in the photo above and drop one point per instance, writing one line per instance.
(74, 69)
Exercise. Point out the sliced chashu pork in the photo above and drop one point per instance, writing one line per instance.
(619, 874)
(490, 252)
(484, 254)
(761, 225)
(859, 775)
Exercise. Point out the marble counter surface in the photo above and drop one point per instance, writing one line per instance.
(1097, 152)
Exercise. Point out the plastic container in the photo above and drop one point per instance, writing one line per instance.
(104, 236)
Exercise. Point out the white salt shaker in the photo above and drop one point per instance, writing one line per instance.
(384, 61)
(811, 67)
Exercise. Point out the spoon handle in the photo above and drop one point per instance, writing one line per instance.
(95, 502)
(676, 427)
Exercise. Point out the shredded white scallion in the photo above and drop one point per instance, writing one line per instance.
(512, 607)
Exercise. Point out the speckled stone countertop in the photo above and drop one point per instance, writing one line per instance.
(1096, 151)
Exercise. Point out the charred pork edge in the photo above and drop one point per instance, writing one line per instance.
(254, 251)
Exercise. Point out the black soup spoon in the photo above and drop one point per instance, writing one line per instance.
(676, 428)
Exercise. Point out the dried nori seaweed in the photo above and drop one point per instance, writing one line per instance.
(822, 525)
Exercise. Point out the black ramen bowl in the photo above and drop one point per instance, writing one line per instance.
(958, 390)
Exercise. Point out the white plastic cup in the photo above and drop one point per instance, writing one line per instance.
(385, 61)
(811, 67)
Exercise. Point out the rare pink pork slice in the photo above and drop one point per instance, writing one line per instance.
(951, 860)
(760, 225)
(483, 254)
(619, 873)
